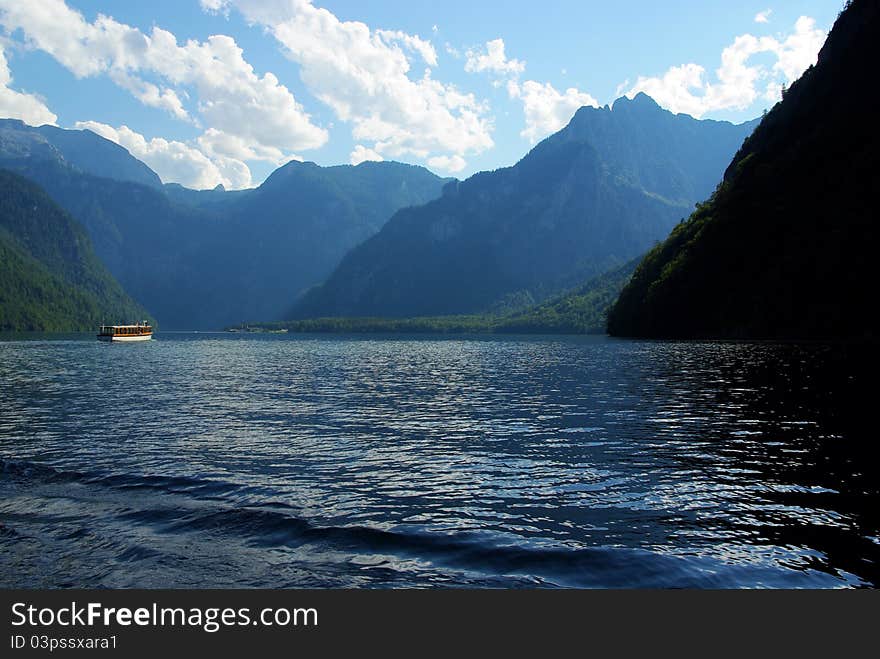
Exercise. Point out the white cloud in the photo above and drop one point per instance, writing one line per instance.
(217, 143)
(449, 164)
(674, 90)
(799, 50)
(228, 95)
(365, 77)
(149, 94)
(413, 43)
(362, 153)
(773, 92)
(213, 6)
(493, 60)
(176, 161)
(546, 109)
(763, 16)
(452, 50)
(17, 105)
(686, 89)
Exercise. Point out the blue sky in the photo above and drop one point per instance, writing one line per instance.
(225, 91)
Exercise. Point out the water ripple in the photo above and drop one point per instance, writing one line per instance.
(298, 461)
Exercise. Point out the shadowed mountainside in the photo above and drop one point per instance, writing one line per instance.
(585, 200)
(50, 278)
(205, 259)
(785, 246)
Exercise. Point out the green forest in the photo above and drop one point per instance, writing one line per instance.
(50, 278)
(581, 311)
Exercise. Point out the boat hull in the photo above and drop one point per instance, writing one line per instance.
(124, 339)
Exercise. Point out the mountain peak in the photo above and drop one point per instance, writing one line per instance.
(785, 248)
(600, 191)
(640, 100)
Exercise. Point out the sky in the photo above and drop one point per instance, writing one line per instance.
(210, 92)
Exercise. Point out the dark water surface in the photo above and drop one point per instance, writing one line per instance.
(285, 461)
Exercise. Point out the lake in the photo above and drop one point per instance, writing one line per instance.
(224, 460)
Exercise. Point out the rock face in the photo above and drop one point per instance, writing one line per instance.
(785, 247)
(587, 199)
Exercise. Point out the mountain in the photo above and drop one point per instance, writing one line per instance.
(209, 258)
(81, 149)
(50, 278)
(581, 311)
(585, 200)
(275, 242)
(785, 246)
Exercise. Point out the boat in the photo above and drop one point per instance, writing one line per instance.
(141, 331)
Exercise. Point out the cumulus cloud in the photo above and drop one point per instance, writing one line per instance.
(413, 43)
(17, 105)
(451, 164)
(362, 154)
(229, 96)
(219, 144)
(176, 161)
(799, 50)
(150, 94)
(365, 76)
(763, 16)
(493, 60)
(686, 88)
(547, 109)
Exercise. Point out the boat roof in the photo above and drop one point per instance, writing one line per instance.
(139, 325)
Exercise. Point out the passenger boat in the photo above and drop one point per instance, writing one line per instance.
(142, 331)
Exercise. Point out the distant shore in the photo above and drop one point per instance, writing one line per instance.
(477, 324)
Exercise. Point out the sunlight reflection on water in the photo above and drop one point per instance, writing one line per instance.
(267, 461)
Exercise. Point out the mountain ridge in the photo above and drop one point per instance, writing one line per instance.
(205, 259)
(582, 201)
(50, 278)
(81, 149)
(783, 248)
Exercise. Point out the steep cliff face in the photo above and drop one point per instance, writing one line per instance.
(786, 246)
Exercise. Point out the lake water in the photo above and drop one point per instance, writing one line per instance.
(200, 460)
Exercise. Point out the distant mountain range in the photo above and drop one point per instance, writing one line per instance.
(782, 248)
(82, 150)
(786, 246)
(583, 202)
(588, 199)
(50, 277)
(205, 259)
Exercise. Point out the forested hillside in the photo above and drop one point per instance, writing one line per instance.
(785, 246)
(50, 278)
